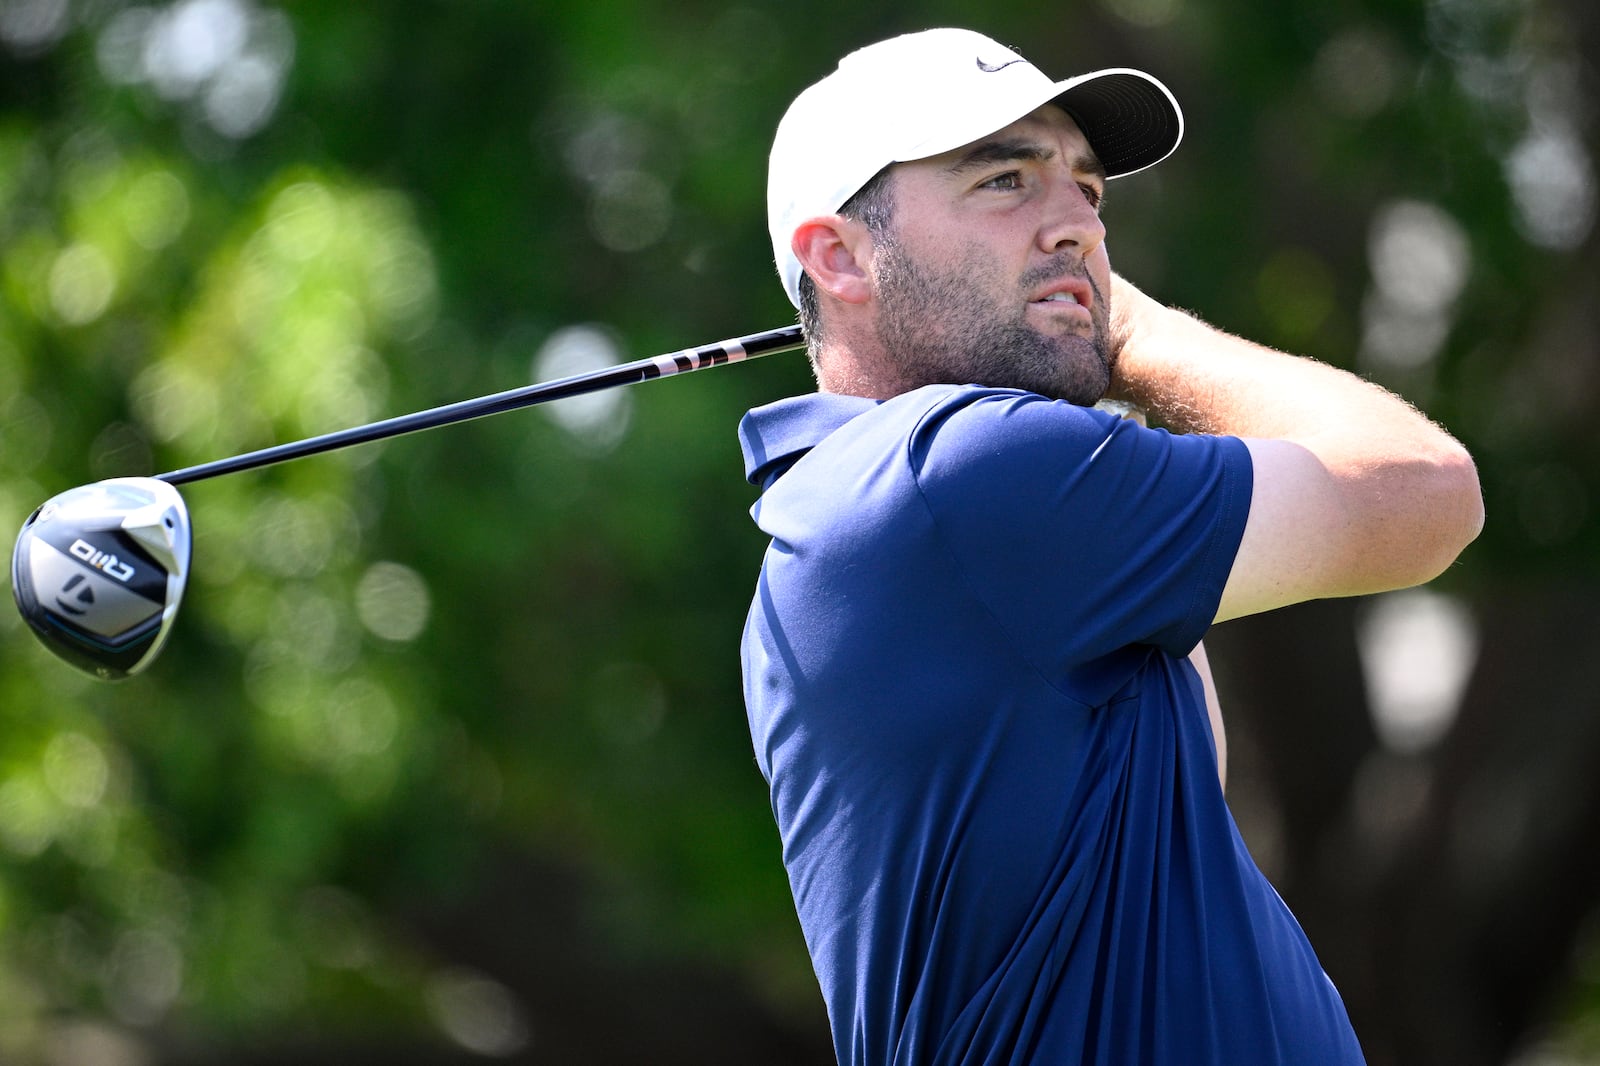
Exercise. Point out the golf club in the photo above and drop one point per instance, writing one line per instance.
(98, 571)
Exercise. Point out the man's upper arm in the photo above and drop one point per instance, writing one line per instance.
(1316, 532)
(1294, 518)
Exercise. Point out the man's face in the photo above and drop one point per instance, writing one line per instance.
(994, 269)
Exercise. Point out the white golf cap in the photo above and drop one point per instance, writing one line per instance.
(921, 94)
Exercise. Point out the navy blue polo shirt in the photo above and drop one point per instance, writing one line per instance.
(990, 761)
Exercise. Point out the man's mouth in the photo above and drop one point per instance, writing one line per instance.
(1068, 291)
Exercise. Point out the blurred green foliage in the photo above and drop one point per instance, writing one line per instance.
(229, 223)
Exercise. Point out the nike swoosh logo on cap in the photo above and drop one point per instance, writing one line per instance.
(987, 69)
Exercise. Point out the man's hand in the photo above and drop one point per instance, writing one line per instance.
(1355, 491)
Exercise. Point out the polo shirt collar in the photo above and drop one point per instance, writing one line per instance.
(774, 437)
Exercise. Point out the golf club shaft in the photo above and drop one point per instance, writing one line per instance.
(730, 351)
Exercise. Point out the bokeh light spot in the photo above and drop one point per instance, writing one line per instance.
(598, 419)
(30, 26)
(392, 601)
(292, 537)
(630, 211)
(478, 1013)
(1355, 73)
(145, 976)
(1417, 650)
(1296, 291)
(172, 400)
(1553, 186)
(243, 96)
(302, 221)
(82, 282)
(361, 719)
(76, 770)
(29, 818)
(1420, 257)
(156, 209)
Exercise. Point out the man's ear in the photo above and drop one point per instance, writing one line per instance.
(835, 251)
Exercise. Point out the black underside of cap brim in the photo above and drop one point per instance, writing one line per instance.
(1129, 122)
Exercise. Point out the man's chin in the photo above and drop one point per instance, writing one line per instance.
(1084, 390)
(1084, 394)
(1084, 374)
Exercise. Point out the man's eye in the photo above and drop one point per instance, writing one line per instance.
(1011, 179)
(1093, 195)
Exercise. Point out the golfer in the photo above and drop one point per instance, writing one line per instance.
(973, 667)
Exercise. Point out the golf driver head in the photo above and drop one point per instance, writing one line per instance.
(99, 570)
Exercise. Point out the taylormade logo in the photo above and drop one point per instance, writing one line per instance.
(988, 68)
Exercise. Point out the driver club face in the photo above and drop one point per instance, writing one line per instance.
(99, 570)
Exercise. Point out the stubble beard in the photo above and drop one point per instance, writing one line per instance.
(936, 327)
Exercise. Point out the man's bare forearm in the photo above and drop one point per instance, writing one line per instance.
(1198, 379)
(1404, 491)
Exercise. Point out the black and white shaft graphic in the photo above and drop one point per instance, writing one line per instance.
(98, 571)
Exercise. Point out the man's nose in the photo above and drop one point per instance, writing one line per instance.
(1071, 222)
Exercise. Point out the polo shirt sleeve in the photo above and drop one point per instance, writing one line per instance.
(1082, 533)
